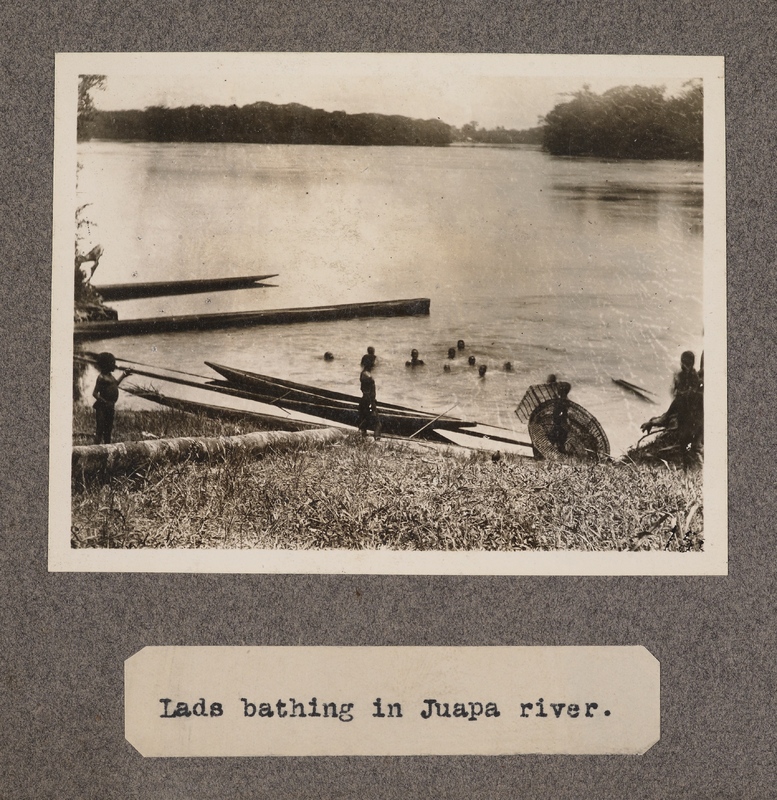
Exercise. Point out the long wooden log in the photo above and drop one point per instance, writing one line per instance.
(137, 291)
(221, 412)
(105, 329)
(99, 462)
(635, 390)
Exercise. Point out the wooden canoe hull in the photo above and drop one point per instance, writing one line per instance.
(391, 423)
(138, 291)
(335, 406)
(242, 319)
(279, 388)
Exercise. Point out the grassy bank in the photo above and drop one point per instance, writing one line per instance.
(365, 495)
(135, 426)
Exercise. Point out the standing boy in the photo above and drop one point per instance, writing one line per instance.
(106, 393)
(368, 405)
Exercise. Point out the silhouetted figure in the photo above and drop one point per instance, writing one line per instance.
(451, 352)
(482, 370)
(551, 379)
(415, 361)
(446, 367)
(685, 415)
(369, 355)
(328, 356)
(460, 344)
(471, 361)
(106, 394)
(559, 432)
(368, 405)
(508, 366)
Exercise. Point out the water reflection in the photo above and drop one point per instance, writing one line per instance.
(630, 200)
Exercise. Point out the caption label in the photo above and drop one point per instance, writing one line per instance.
(315, 701)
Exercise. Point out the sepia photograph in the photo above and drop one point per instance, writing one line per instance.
(389, 313)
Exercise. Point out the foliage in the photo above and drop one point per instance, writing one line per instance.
(86, 110)
(628, 122)
(267, 123)
(359, 494)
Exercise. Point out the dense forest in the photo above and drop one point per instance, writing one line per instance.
(265, 123)
(638, 122)
(628, 122)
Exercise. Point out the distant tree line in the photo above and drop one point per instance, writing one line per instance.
(471, 132)
(637, 122)
(264, 123)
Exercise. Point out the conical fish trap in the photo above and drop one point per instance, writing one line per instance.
(535, 396)
(585, 437)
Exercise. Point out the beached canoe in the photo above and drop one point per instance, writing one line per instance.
(279, 388)
(105, 329)
(138, 291)
(336, 406)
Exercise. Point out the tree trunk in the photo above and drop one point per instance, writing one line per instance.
(102, 461)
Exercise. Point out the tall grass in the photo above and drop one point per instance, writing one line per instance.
(134, 426)
(359, 494)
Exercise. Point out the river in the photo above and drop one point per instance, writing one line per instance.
(585, 268)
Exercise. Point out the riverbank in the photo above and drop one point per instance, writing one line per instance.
(362, 494)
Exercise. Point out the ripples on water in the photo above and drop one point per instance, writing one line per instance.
(588, 269)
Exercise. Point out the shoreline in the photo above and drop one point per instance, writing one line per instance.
(356, 493)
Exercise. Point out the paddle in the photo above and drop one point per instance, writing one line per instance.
(183, 382)
(431, 422)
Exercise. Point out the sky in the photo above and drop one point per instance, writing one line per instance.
(491, 100)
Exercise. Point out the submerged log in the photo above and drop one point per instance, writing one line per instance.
(638, 391)
(100, 462)
(243, 319)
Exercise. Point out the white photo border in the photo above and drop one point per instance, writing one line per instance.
(712, 560)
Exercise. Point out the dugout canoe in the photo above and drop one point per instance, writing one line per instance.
(335, 406)
(404, 425)
(280, 389)
(138, 291)
(399, 422)
(396, 423)
(104, 329)
(268, 386)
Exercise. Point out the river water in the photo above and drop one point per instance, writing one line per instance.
(585, 268)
